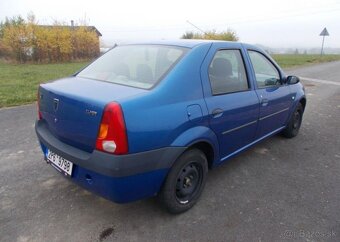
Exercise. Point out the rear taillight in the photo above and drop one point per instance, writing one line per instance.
(38, 104)
(112, 136)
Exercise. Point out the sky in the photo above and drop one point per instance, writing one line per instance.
(275, 24)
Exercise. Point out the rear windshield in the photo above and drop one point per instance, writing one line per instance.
(139, 66)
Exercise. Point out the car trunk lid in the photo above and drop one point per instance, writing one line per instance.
(73, 107)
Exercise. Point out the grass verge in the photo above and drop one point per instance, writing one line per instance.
(19, 83)
(288, 61)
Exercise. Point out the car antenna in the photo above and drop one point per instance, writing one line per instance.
(198, 28)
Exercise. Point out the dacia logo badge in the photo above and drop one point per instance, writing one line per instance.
(55, 104)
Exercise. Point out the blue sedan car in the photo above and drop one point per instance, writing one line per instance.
(151, 119)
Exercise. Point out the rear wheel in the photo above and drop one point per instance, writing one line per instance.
(185, 182)
(294, 123)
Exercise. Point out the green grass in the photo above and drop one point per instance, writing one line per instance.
(288, 61)
(19, 83)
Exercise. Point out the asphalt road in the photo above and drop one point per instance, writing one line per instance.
(279, 190)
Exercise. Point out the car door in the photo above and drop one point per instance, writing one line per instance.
(231, 100)
(274, 95)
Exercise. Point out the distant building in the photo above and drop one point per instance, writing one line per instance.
(89, 28)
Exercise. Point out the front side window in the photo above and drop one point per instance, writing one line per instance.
(139, 66)
(227, 73)
(266, 73)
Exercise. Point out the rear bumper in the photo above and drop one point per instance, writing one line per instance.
(121, 178)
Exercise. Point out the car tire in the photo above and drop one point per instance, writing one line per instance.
(294, 123)
(185, 182)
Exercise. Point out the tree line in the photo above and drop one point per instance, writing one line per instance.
(25, 40)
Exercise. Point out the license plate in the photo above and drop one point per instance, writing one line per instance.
(60, 163)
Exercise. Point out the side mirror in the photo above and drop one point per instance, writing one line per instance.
(292, 80)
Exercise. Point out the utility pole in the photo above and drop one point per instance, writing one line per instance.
(323, 33)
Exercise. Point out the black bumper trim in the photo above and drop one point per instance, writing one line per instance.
(108, 164)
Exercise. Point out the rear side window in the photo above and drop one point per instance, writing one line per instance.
(139, 66)
(227, 73)
(265, 72)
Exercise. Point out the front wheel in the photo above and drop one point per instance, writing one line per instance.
(185, 182)
(294, 123)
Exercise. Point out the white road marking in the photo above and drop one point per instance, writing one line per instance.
(320, 81)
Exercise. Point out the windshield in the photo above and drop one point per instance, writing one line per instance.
(139, 66)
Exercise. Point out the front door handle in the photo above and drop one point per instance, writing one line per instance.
(216, 113)
(264, 101)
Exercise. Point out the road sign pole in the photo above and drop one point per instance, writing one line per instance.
(323, 41)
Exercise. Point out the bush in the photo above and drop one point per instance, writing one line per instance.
(229, 35)
(25, 40)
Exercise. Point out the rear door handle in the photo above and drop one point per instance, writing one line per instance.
(216, 113)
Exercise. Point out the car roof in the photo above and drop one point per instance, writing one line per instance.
(188, 43)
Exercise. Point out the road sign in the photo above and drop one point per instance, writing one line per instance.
(323, 33)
